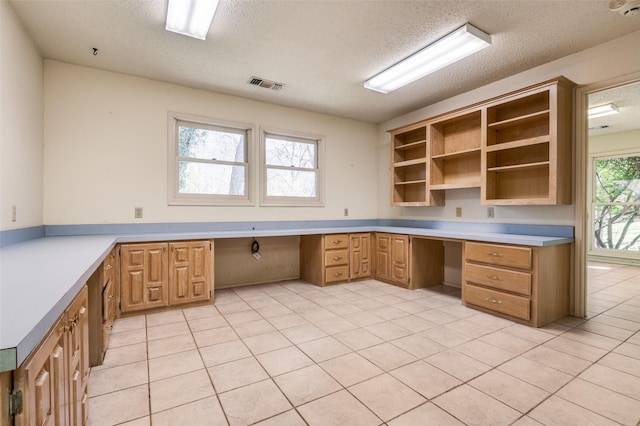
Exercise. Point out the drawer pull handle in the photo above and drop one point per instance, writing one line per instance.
(337, 274)
(494, 277)
(109, 267)
(493, 300)
(496, 254)
(337, 258)
(337, 241)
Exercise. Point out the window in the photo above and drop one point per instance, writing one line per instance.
(616, 206)
(208, 162)
(291, 169)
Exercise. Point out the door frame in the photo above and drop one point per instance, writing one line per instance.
(581, 237)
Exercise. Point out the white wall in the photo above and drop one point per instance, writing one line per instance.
(615, 142)
(21, 125)
(603, 62)
(106, 150)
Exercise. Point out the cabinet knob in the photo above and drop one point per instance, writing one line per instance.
(494, 277)
(496, 254)
(493, 300)
(337, 241)
(110, 298)
(109, 267)
(337, 274)
(337, 258)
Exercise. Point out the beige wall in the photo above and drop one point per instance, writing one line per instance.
(603, 62)
(615, 142)
(106, 150)
(21, 128)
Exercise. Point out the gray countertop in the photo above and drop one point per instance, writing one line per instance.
(40, 277)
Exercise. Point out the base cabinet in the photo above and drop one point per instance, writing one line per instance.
(53, 380)
(157, 275)
(392, 258)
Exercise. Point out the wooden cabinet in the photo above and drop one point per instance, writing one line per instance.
(156, 275)
(334, 258)
(392, 258)
(509, 281)
(53, 380)
(515, 147)
(527, 155)
(102, 288)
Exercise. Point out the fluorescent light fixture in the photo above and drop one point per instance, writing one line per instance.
(461, 43)
(603, 110)
(191, 17)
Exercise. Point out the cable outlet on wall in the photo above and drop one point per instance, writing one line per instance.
(490, 212)
(458, 211)
(137, 212)
(346, 211)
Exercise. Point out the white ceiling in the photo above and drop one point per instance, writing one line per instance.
(627, 99)
(321, 50)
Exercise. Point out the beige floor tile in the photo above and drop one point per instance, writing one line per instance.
(215, 336)
(559, 412)
(426, 414)
(253, 403)
(511, 391)
(425, 379)
(128, 324)
(174, 365)
(535, 373)
(363, 319)
(254, 328)
(437, 317)
(531, 334)
(358, 339)
(323, 349)
(266, 342)
(628, 349)
(167, 330)
(179, 390)
(224, 352)
(205, 412)
(225, 297)
(458, 364)
(237, 306)
(559, 360)
(207, 323)
(635, 339)
(273, 310)
(410, 307)
(281, 322)
(580, 350)
(389, 330)
(288, 418)
(118, 407)
(200, 312)
(126, 338)
(117, 378)
(123, 355)
(142, 421)
(621, 362)
(603, 401)
(468, 327)
(334, 326)
(338, 409)
(526, 421)
(507, 342)
(614, 380)
(171, 345)
(616, 322)
(419, 346)
(476, 408)
(414, 323)
(303, 333)
(283, 360)
(306, 384)
(445, 336)
(317, 314)
(387, 356)
(235, 374)
(386, 396)
(592, 339)
(606, 330)
(236, 318)
(165, 317)
(350, 369)
(485, 352)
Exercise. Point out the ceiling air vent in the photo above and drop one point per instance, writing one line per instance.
(267, 84)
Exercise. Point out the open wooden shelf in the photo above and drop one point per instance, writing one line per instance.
(518, 167)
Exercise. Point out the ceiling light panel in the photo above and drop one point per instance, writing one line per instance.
(456, 45)
(191, 17)
(603, 110)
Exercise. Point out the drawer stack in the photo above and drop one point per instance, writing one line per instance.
(506, 280)
(336, 258)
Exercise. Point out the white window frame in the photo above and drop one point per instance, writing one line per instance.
(174, 197)
(293, 201)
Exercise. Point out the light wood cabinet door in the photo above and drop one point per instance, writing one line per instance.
(383, 256)
(78, 359)
(144, 276)
(400, 259)
(189, 271)
(360, 253)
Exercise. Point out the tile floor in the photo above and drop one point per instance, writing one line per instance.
(370, 353)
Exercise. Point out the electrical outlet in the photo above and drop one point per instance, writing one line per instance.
(13, 214)
(490, 212)
(346, 211)
(137, 212)
(458, 211)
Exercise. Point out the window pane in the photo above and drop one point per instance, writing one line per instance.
(617, 227)
(618, 180)
(213, 179)
(279, 152)
(210, 144)
(290, 183)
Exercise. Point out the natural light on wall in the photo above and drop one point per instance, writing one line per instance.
(461, 43)
(190, 17)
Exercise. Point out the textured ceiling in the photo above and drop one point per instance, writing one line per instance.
(627, 99)
(321, 50)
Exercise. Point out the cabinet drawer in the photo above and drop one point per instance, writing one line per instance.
(335, 241)
(509, 304)
(336, 257)
(502, 279)
(514, 257)
(336, 273)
